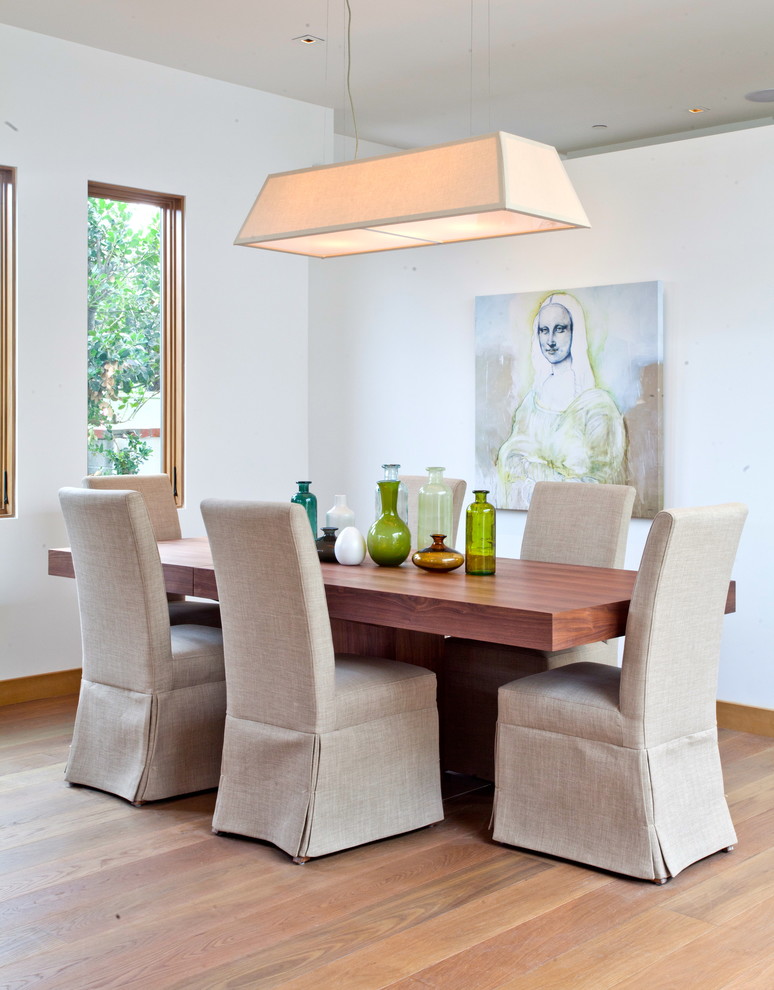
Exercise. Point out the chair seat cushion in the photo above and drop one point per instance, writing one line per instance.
(580, 699)
(197, 656)
(369, 688)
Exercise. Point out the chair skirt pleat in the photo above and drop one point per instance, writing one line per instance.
(111, 739)
(376, 779)
(689, 804)
(147, 747)
(579, 799)
(186, 741)
(316, 793)
(645, 813)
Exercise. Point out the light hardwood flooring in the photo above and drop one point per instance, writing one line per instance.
(95, 893)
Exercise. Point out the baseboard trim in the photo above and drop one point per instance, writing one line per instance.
(40, 686)
(745, 718)
(740, 718)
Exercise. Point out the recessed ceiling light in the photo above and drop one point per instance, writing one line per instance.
(698, 109)
(761, 96)
(308, 39)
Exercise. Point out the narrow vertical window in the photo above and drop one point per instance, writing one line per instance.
(135, 333)
(7, 341)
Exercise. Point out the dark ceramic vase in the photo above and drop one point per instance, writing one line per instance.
(325, 545)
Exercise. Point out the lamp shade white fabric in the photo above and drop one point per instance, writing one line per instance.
(495, 185)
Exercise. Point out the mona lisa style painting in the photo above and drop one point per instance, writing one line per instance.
(569, 388)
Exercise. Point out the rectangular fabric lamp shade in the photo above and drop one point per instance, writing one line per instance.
(496, 185)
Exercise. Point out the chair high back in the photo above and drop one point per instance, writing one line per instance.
(276, 629)
(320, 752)
(576, 523)
(123, 605)
(413, 483)
(156, 489)
(152, 703)
(619, 767)
(674, 628)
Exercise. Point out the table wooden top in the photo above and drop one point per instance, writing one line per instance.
(526, 603)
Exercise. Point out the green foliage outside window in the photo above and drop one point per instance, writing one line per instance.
(124, 329)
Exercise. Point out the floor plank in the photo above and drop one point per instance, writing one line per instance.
(95, 893)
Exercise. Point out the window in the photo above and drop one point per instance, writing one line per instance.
(7, 339)
(135, 333)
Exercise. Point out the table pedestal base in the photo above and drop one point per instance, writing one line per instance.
(462, 750)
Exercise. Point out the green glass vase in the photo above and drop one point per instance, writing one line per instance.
(389, 540)
(391, 474)
(480, 535)
(309, 501)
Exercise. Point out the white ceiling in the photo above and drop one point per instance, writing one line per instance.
(429, 71)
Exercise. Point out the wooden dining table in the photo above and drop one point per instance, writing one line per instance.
(405, 613)
(525, 603)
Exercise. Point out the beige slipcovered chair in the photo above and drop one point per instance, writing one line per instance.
(321, 752)
(413, 483)
(566, 523)
(153, 697)
(156, 489)
(619, 768)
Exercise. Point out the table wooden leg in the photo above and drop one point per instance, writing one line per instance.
(467, 714)
(364, 640)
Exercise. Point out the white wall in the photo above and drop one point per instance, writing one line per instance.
(79, 114)
(392, 349)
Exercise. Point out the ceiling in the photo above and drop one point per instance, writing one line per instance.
(429, 71)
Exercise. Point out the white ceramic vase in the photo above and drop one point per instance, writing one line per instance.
(339, 516)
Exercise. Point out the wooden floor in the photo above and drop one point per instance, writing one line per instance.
(97, 893)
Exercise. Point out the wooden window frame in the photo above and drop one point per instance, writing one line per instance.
(172, 320)
(7, 342)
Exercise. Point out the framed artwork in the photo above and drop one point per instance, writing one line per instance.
(569, 388)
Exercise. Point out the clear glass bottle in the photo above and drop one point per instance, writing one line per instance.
(339, 516)
(389, 540)
(391, 474)
(435, 509)
(480, 535)
(309, 501)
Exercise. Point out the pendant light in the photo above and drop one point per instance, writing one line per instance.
(494, 185)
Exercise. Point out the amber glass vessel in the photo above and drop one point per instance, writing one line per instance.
(438, 557)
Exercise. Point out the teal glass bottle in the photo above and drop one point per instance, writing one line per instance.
(480, 535)
(309, 501)
(435, 509)
(389, 540)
